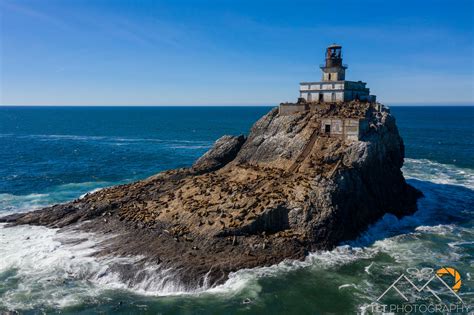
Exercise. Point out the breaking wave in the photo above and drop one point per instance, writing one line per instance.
(438, 173)
(60, 269)
(403, 240)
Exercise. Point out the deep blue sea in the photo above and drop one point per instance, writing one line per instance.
(56, 154)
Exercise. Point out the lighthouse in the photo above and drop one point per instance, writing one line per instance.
(333, 86)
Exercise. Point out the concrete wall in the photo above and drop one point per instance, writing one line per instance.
(349, 129)
(332, 86)
(317, 86)
(372, 98)
(334, 75)
(289, 109)
(340, 95)
(327, 96)
(355, 85)
(350, 95)
(335, 125)
(343, 91)
(333, 96)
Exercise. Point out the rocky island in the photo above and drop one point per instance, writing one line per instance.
(308, 176)
(288, 188)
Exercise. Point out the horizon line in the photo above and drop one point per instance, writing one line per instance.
(467, 104)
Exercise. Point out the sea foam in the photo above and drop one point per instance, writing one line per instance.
(60, 269)
(438, 173)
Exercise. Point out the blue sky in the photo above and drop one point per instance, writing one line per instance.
(230, 52)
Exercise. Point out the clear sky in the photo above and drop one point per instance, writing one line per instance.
(176, 52)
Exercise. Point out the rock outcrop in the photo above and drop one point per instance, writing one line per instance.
(224, 150)
(284, 191)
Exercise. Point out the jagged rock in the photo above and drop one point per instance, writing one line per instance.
(286, 186)
(224, 150)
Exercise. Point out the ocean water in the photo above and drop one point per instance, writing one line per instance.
(56, 154)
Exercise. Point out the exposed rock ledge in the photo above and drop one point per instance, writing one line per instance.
(283, 191)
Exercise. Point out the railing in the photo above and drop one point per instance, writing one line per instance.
(323, 65)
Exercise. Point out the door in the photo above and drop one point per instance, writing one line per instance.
(327, 128)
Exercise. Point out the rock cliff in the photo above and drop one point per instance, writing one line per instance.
(285, 190)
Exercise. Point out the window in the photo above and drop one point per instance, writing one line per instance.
(327, 128)
(333, 97)
(329, 77)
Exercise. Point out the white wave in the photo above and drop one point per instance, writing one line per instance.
(90, 192)
(435, 172)
(437, 209)
(406, 250)
(347, 285)
(53, 137)
(439, 229)
(401, 239)
(43, 265)
(247, 279)
(148, 280)
(10, 203)
(62, 137)
(60, 269)
(462, 243)
(341, 255)
(412, 250)
(34, 257)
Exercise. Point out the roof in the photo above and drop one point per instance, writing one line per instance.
(334, 46)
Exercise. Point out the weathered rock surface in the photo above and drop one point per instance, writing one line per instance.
(283, 191)
(224, 150)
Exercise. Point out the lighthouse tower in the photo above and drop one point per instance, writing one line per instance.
(333, 69)
(334, 87)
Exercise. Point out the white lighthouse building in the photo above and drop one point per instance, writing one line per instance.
(333, 86)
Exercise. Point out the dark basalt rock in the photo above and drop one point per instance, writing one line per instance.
(283, 191)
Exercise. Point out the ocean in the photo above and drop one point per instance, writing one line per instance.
(50, 155)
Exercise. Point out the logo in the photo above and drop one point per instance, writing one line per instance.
(442, 287)
(454, 273)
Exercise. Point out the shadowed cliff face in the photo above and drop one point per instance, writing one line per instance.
(283, 191)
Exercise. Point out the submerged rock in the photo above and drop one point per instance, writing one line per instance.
(284, 191)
